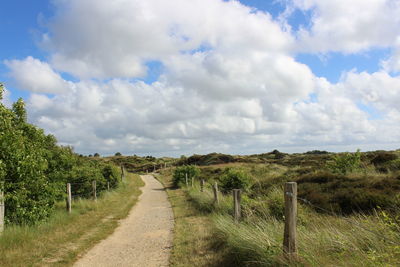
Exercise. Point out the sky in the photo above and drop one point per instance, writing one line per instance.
(183, 77)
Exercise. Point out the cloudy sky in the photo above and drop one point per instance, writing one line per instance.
(197, 76)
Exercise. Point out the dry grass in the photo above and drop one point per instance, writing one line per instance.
(64, 237)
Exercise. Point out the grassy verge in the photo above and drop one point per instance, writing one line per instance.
(64, 237)
(195, 242)
(323, 240)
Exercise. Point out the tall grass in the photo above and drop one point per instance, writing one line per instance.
(323, 240)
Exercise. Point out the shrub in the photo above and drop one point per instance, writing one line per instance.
(180, 174)
(345, 163)
(383, 157)
(234, 179)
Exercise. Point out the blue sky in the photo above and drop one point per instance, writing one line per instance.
(52, 56)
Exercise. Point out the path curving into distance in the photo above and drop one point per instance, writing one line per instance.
(144, 238)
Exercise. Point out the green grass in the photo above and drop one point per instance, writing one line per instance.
(195, 242)
(323, 240)
(64, 237)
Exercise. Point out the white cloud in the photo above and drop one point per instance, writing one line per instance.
(349, 26)
(36, 76)
(378, 89)
(6, 97)
(106, 39)
(393, 63)
(229, 80)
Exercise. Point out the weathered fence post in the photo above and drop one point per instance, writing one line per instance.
(215, 189)
(108, 186)
(122, 173)
(154, 167)
(236, 204)
(69, 198)
(94, 190)
(202, 185)
(186, 179)
(289, 238)
(165, 165)
(192, 181)
(2, 207)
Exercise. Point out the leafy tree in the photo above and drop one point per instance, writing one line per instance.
(34, 169)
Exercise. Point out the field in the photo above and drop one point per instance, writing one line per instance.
(348, 207)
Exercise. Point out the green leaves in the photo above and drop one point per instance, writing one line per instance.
(1, 91)
(234, 179)
(180, 174)
(345, 163)
(35, 170)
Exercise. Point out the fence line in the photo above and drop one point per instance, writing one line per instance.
(290, 195)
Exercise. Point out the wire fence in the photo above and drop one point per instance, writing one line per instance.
(351, 221)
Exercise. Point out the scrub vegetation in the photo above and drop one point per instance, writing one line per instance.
(348, 206)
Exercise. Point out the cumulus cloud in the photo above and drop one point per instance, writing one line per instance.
(229, 80)
(36, 76)
(378, 89)
(106, 39)
(349, 26)
(392, 64)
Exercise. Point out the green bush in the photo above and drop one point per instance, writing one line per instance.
(345, 163)
(234, 179)
(180, 174)
(34, 169)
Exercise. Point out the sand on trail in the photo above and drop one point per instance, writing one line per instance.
(144, 238)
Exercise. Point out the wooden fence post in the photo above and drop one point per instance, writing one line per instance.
(215, 189)
(94, 190)
(236, 204)
(69, 198)
(186, 179)
(192, 181)
(202, 185)
(108, 186)
(289, 238)
(154, 167)
(2, 207)
(122, 173)
(165, 165)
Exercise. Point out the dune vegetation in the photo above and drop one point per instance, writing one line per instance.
(348, 206)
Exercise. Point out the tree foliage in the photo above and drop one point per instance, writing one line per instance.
(34, 169)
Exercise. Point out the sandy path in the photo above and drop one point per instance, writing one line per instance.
(144, 238)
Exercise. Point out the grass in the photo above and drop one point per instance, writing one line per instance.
(195, 243)
(323, 240)
(64, 237)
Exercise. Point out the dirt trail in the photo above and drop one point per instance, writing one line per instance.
(144, 238)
